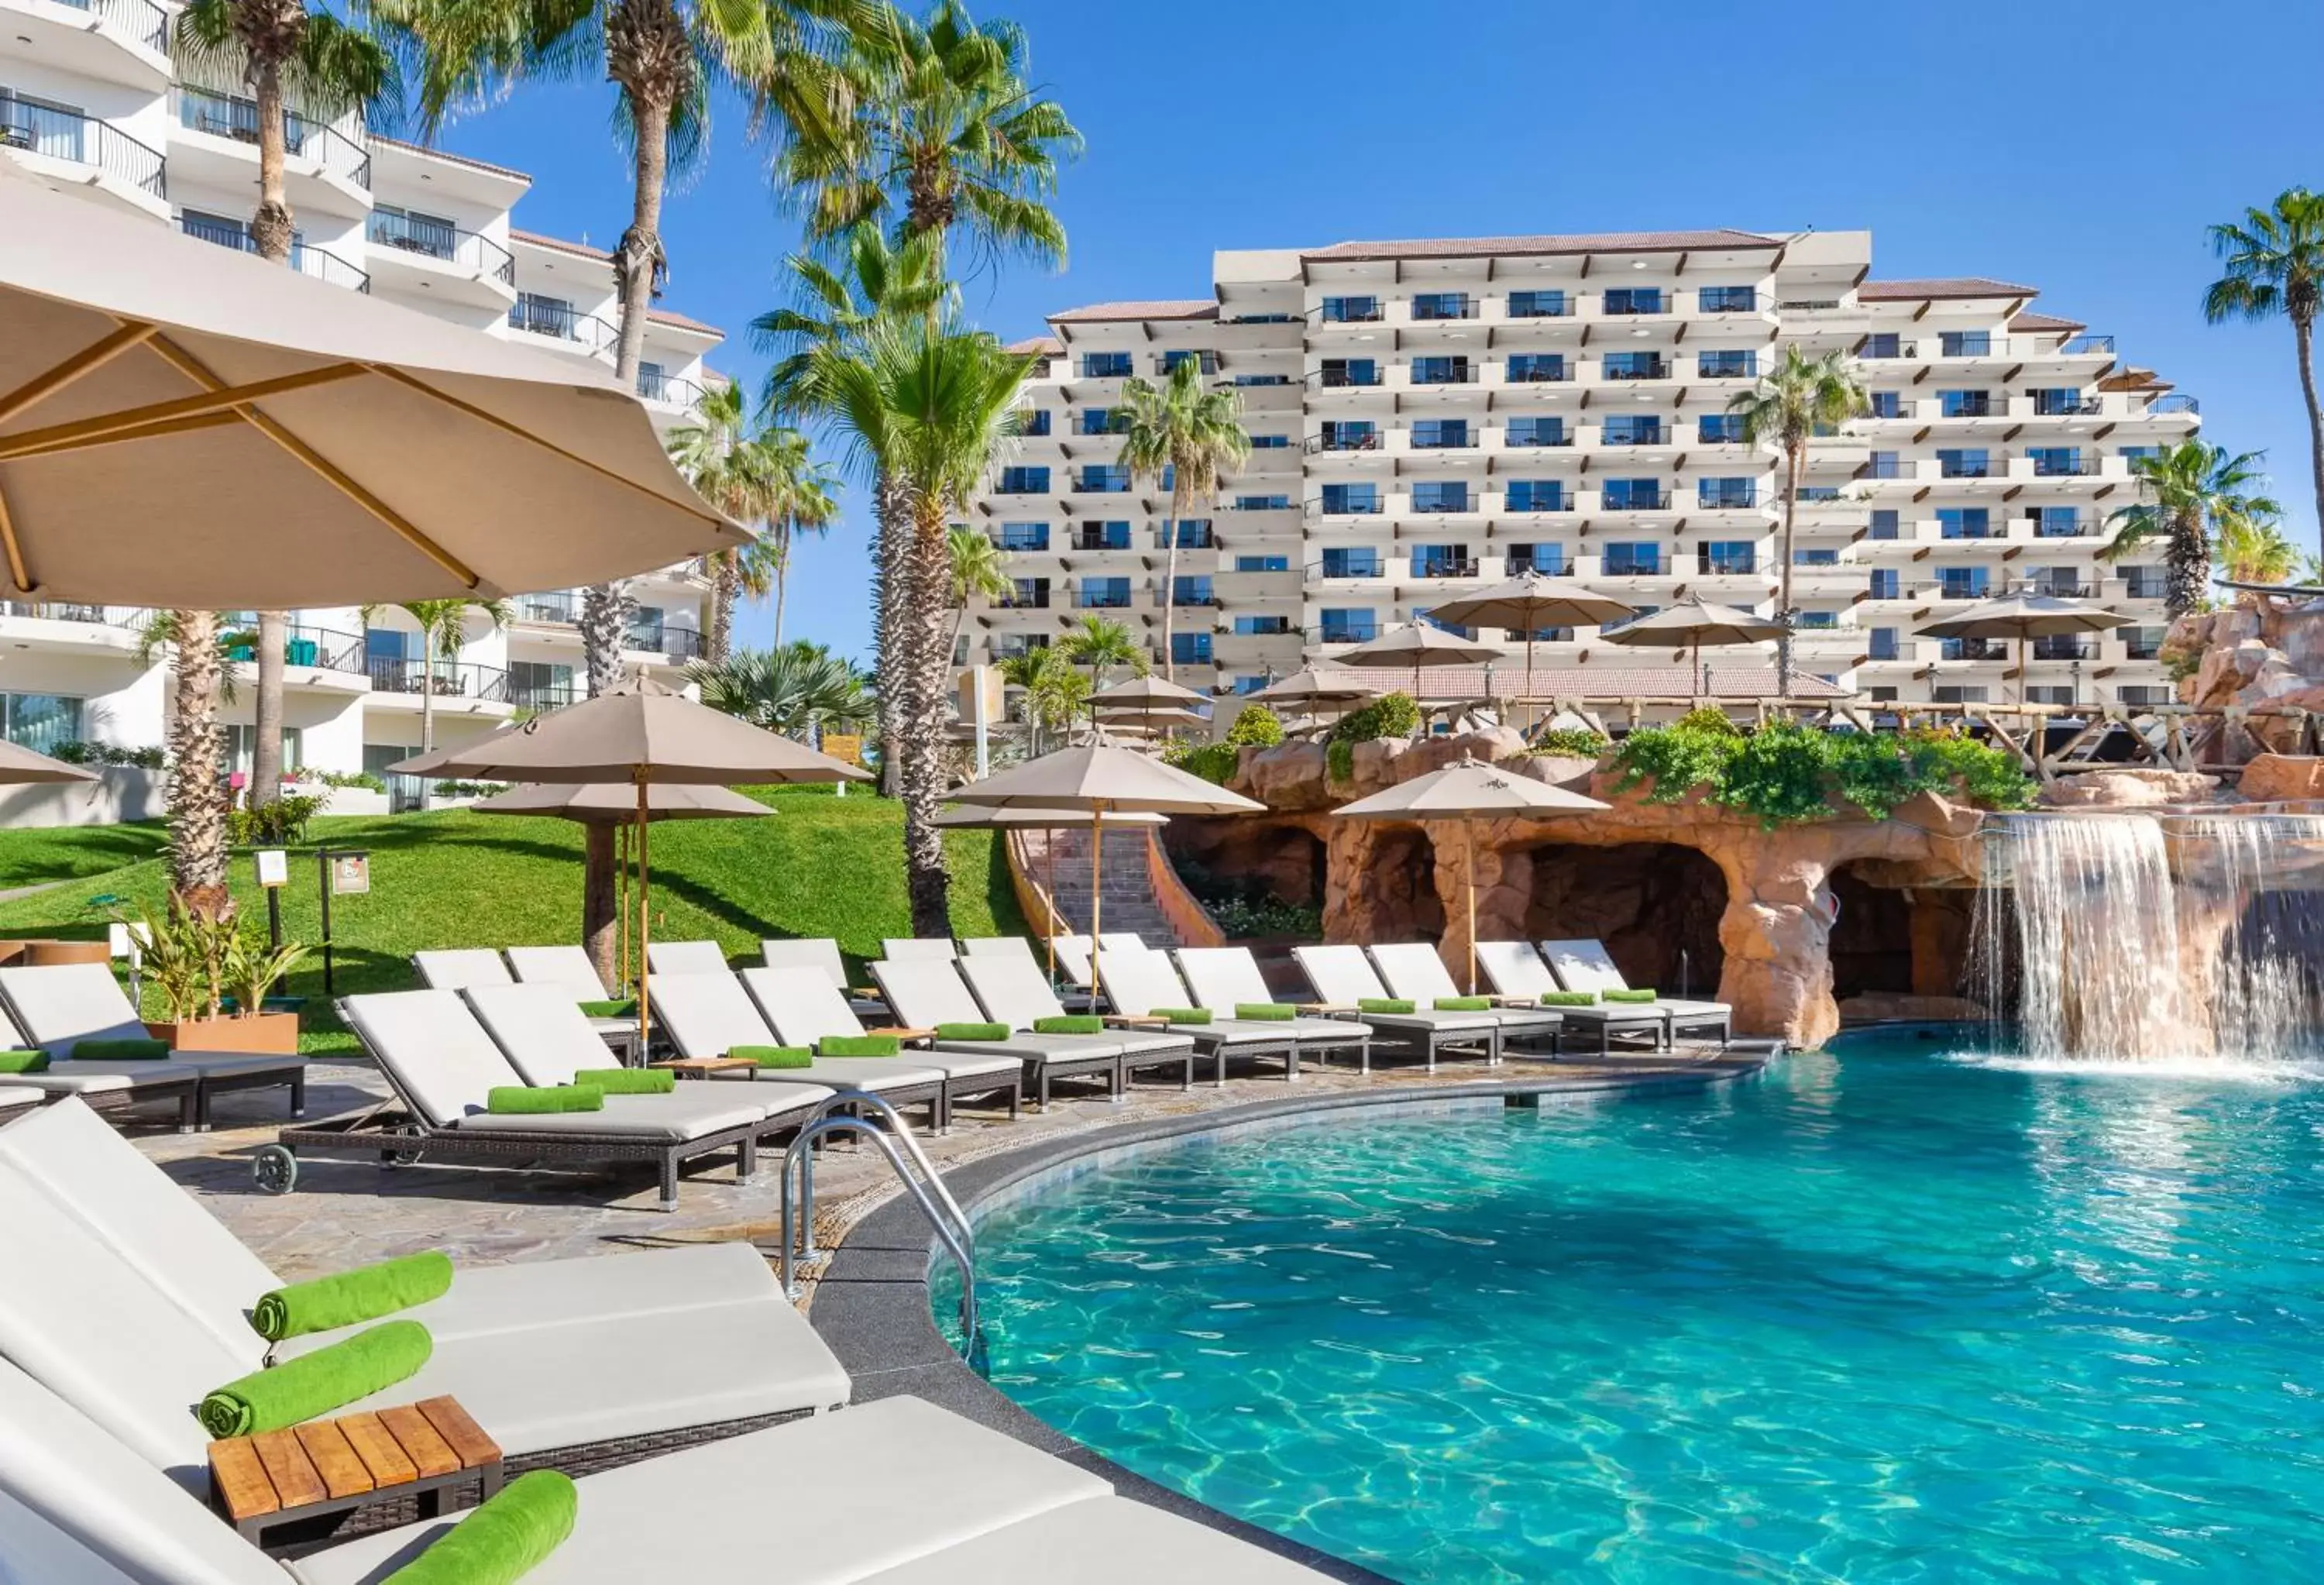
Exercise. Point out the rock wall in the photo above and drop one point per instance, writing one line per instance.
(2258, 652)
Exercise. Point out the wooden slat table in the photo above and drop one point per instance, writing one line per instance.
(335, 1466)
(705, 1067)
(904, 1032)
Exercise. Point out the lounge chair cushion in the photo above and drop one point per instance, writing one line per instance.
(56, 1006)
(671, 1119)
(918, 949)
(820, 953)
(543, 1031)
(686, 957)
(706, 1015)
(77, 1079)
(567, 968)
(434, 1049)
(1025, 1048)
(14, 1099)
(461, 968)
(1107, 1538)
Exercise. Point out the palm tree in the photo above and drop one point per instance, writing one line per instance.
(924, 408)
(199, 667)
(797, 688)
(763, 477)
(1191, 435)
(1053, 692)
(2254, 550)
(1101, 645)
(443, 626)
(1799, 398)
(804, 504)
(2187, 492)
(664, 58)
(283, 54)
(2275, 265)
(976, 574)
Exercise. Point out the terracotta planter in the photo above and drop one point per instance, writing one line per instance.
(269, 1033)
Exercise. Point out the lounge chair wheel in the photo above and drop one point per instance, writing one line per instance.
(274, 1170)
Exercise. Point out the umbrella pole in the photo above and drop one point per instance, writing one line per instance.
(1529, 681)
(1469, 852)
(1695, 673)
(2021, 675)
(1097, 878)
(645, 926)
(622, 902)
(1054, 925)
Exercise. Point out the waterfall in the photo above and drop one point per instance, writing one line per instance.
(2138, 937)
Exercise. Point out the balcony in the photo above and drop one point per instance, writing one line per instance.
(2065, 649)
(2088, 346)
(323, 151)
(322, 649)
(421, 253)
(673, 643)
(1887, 467)
(307, 261)
(2075, 465)
(1635, 500)
(1368, 440)
(2174, 403)
(1348, 379)
(1443, 306)
(1971, 648)
(556, 321)
(1353, 311)
(1436, 567)
(1443, 371)
(2052, 405)
(77, 145)
(1653, 435)
(1517, 372)
(1628, 305)
(1514, 438)
(1964, 467)
(1351, 633)
(1343, 506)
(115, 41)
(445, 680)
(1432, 505)
(1098, 539)
(670, 389)
(1101, 599)
(1548, 567)
(560, 606)
(1539, 306)
(1727, 500)
(1633, 369)
(1443, 440)
(1528, 502)
(543, 696)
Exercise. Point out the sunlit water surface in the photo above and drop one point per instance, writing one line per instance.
(1891, 1312)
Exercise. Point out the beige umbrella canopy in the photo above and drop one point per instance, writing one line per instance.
(185, 426)
(640, 733)
(1695, 622)
(21, 766)
(2022, 617)
(616, 804)
(1011, 819)
(1529, 602)
(1417, 645)
(1462, 792)
(1152, 699)
(1316, 685)
(1098, 780)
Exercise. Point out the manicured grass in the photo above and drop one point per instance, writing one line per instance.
(820, 866)
(29, 858)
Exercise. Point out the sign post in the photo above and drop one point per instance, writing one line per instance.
(273, 875)
(346, 871)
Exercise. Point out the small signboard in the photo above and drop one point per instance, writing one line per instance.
(846, 750)
(273, 867)
(350, 874)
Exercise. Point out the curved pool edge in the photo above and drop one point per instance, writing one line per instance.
(872, 1302)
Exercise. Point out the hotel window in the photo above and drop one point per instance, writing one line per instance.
(1631, 495)
(1349, 626)
(1033, 422)
(1886, 464)
(1105, 365)
(1731, 365)
(1262, 564)
(1884, 583)
(1965, 344)
(1193, 533)
(1882, 644)
(1192, 589)
(1208, 362)
(1269, 442)
(2142, 693)
(1635, 300)
(1351, 435)
(1822, 556)
(1883, 523)
(1533, 368)
(1727, 558)
(1442, 304)
(2055, 522)
(2144, 582)
(1442, 626)
(1439, 495)
(1537, 304)
(1351, 311)
(1023, 481)
(1103, 536)
(1103, 594)
(1959, 693)
(1338, 372)
(1253, 682)
(2050, 694)
(1261, 626)
(1262, 379)
(1964, 464)
(1352, 561)
(1720, 430)
(40, 722)
(1631, 429)
(1261, 503)
(1351, 500)
(1024, 536)
(2059, 402)
(1886, 346)
(1533, 495)
(2142, 643)
(1099, 478)
(2057, 461)
(1728, 299)
(1727, 494)
(1535, 432)
(1825, 620)
(1441, 561)
(1441, 370)
(1546, 559)
(1439, 434)
(1642, 559)
(1964, 583)
(1190, 648)
(1965, 405)
(1884, 404)
(1028, 594)
(1881, 693)
(1094, 420)
(532, 311)
(2134, 454)
(1964, 522)
(1634, 365)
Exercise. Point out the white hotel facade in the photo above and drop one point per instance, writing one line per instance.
(90, 102)
(1429, 418)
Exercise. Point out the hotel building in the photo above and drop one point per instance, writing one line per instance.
(1429, 418)
(90, 103)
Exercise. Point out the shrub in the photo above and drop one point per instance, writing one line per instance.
(1575, 741)
(469, 789)
(1265, 915)
(275, 824)
(1709, 718)
(1785, 773)
(1339, 760)
(1213, 762)
(151, 757)
(1780, 773)
(363, 779)
(1677, 759)
(1389, 716)
(1257, 725)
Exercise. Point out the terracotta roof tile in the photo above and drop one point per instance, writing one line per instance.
(2037, 322)
(578, 249)
(1044, 346)
(1170, 309)
(1951, 286)
(681, 322)
(1597, 682)
(433, 154)
(1603, 242)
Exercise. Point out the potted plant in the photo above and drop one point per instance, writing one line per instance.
(194, 962)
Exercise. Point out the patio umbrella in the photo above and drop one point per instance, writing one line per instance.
(181, 425)
(642, 733)
(1319, 685)
(1695, 622)
(2022, 617)
(1006, 819)
(1149, 695)
(1098, 780)
(1529, 602)
(21, 766)
(1416, 645)
(1461, 792)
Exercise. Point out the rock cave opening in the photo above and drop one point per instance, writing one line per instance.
(1656, 905)
(1892, 940)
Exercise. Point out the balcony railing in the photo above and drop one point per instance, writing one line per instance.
(1541, 309)
(1444, 440)
(673, 389)
(1727, 500)
(1535, 437)
(1362, 310)
(2049, 406)
(2065, 527)
(1886, 468)
(1973, 648)
(1443, 308)
(2082, 346)
(1458, 372)
(446, 680)
(1517, 373)
(1425, 506)
(1348, 379)
(1099, 542)
(1514, 502)
(2176, 402)
(1635, 500)
(1369, 440)
(1964, 467)
(1351, 633)
(1101, 599)
(1434, 567)
(1624, 308)
(83, 140)
(678, 643)
(321, 647)
(432, 238)
(2077, 466)
(1324, 506)
(543, 696)
(229, 116)
(140, 20)
(131, 618)
(1608, 435)
(1548, 566)
(558, 321)
(1655, 370)
(307, 261)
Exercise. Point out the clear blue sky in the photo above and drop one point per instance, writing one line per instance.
(2080, 148)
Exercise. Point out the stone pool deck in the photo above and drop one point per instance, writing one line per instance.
(347, 1213)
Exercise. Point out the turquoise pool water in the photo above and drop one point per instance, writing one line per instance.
(1884, 1314)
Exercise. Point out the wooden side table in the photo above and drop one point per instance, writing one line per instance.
(336, 1466)
(904, 1032)
(707, 1067)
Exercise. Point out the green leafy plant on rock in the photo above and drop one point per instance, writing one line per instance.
(1257, 725)
(1572, 743)
(1213, 762)
(1783, 773)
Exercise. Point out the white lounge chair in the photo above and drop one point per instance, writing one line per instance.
(58, 1006)
(927, 995)
(1074, 958)
(686, 957)
(1343, 978)
(459, 967)
(1515, 970)
(1014, 991)
(1413, 969)
(803, 1010)
(999, 946)
(904, 1493)
(567, 967)
(821, 953)
(1137, 982)
(1223, 977)
(918, 949)
(1587, 965)
(709, 1015)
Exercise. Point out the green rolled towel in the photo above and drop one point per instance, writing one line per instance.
(1464, 1004)
(972, 1031)
(1069, 1024)
(620, 1007)
(1181, 1015)
(124, 1050)
(1385, 1004)
(774, 1056)
(364, 1293)
(628, 1081)
(859, 1045)
(528, 1101)
(1629, 995)
(510, 1533)
(1274, 1012)
(24, 1062)
(331, 1377)
(1569, 999)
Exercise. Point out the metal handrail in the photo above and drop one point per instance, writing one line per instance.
(431, 239)
(142, 19)
(234, 117)
(943, 1214)
(83, 140)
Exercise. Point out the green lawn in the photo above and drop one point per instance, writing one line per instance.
(820, 866)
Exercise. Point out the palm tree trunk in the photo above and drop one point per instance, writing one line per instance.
(2187, 565)
(1794, 457)
(922, 722)
(721, 639)
(1169, 591)
(781, 534)
(2304, 332)
(600, 915)
(427, 710)
(892, 594)
(197, 844)
(271, 229)
(266, 754)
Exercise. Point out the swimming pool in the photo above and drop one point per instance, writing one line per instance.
(1889, 1313)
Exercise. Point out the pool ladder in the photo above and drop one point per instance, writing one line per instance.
(942, 1212)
